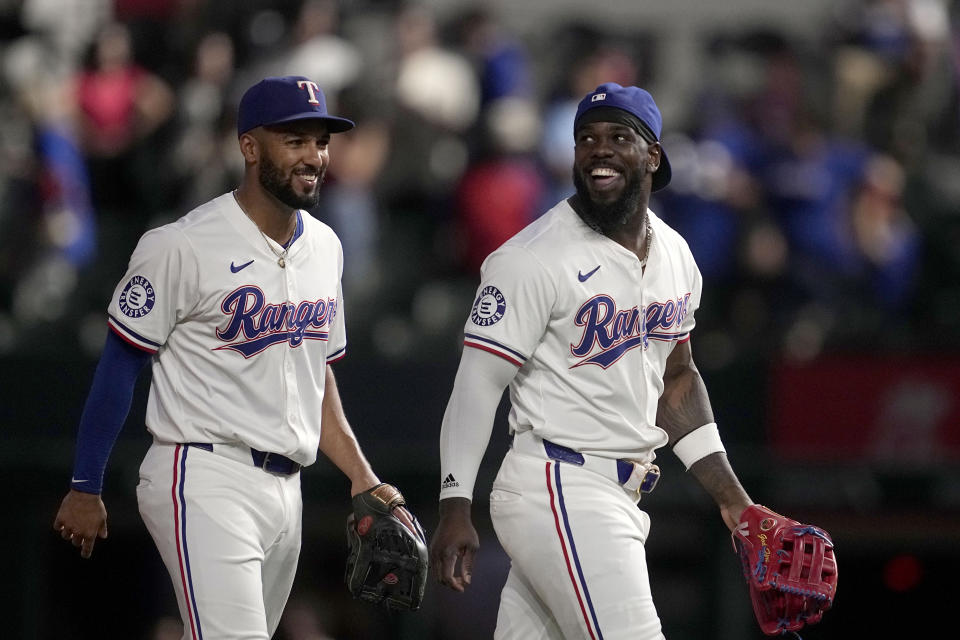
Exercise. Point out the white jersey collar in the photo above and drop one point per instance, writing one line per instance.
(595, 236)
(248, 229)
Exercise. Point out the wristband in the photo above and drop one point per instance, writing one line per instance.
(698, 444)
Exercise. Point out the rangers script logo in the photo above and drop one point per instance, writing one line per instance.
(264, 325)
(617, 331)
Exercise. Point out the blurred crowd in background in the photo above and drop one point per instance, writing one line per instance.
(817, 180)
(816, 177)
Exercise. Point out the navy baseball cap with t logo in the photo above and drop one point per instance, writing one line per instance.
(285, 99)
(635, 102)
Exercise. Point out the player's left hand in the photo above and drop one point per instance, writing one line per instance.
(400, 512)
(731, 515)
(82, 519)
(387, 559)
(407, 518)
(455, 541)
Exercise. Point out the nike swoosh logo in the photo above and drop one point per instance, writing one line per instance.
(243, 266)
(586, 276)
(75, 481)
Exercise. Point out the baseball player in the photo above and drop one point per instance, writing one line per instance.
(586, 314)
(238, 308)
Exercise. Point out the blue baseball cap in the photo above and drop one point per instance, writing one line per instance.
(638, 103)
(285, 99)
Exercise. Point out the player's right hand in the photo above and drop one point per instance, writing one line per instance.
(455, 540)
(82, 518)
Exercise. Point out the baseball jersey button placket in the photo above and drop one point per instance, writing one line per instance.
(289, 281)
(290, 385)
(633, 268)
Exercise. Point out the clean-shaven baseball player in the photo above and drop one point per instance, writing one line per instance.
(238, 308)
(586, 314)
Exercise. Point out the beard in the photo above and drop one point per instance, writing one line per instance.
(281, 187)
(607, 217)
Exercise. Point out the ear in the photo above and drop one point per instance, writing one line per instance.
(653, 157)
(250, 148)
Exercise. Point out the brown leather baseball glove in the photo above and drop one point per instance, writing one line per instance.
(386, 563)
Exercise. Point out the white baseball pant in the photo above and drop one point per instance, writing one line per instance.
(576, 543)
(229, 534)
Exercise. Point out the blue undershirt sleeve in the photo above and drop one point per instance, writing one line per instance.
(105, 411)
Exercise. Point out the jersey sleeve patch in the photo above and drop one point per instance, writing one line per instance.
(489, 307)
(494, 347)
(137, 298)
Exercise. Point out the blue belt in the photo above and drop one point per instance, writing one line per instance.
(625, 468)
(568, 455)
(635, 476)
(272, 462)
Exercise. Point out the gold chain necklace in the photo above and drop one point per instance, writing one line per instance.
(596, 227)
(281, 255)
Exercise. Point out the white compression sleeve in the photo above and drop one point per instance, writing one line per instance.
(468, 420)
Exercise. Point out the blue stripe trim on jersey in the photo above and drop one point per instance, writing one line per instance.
(297, 232)
(607, 357)
(134, 333)
(668, 337)
(336, 354)
(573, 550)
(251, 348)
(474, 336)
(183, 538)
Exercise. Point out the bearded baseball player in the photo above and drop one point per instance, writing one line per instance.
(586, 314)
(238, 308)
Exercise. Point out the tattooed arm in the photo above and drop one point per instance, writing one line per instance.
(685, 406)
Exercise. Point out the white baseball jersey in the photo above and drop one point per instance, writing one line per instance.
(589, 329)
(241, 344)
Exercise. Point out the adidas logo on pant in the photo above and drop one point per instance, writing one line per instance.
(449, 481)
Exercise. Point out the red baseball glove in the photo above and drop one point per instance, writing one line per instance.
(790, 568)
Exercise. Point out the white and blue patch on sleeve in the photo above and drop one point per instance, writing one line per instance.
(137, 298)
(489, 307)
(135, 301)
